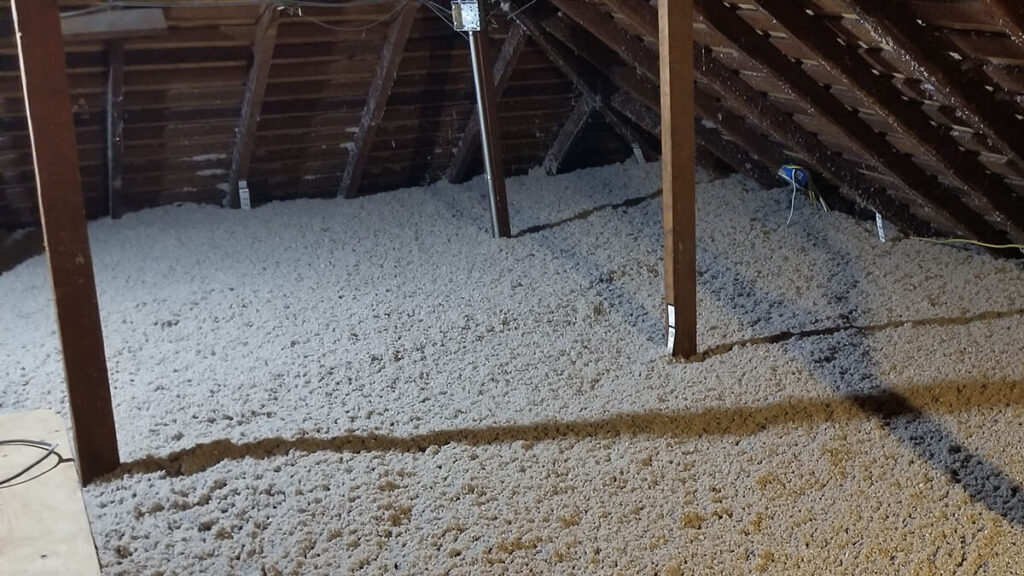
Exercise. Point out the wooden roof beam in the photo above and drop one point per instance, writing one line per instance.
(637, 54)
(641, 114)
(622, 75)
(847, 122)
(640, 58)
(511, 49)
(255, 89)
(735, 156)
(1010, 15)
(640, 13)
(601, 25)
(735, 127)
(590, 84)
(882, 95)
(376, 102)
(753, 104)
(568, 134)
(928, 52)
(709, 140)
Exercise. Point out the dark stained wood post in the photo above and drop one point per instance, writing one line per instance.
(62, 207)
(678, 174)
(377, 100)
(567, 57)
(255, 89)
(568, 134)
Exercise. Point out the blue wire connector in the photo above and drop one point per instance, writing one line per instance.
(795, 175)
(800, 179)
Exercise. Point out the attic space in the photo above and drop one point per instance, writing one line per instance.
(521, 287)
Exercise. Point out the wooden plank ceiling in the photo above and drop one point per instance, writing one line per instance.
(910, 108)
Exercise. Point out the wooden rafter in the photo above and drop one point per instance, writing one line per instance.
(602, 26)
(735, 156)
(755, 105)
(847, 122)
(588, 83)
(747, 101)
(568, 134)
(639, 87)
(1010, 15)
(709, 141)
(646, 113)
(115, 126)
(376, 102)
(885, 98)
(639, 13)
(641, 114)
(642, 64)
(621, 75)
(255, 89)
(511, 49)
(760, 146)
(928, 52)
(61, 205)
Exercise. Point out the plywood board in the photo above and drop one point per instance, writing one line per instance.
(44, 528)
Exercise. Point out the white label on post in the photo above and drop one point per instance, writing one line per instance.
(243, 195)
(671, 340)
(638, 154)
(880, 224)
(671, 315)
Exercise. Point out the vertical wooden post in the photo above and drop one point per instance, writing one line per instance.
(51, 127)
(679, 179)
(115, 124)
(377, 100)
(570, 131)
(255, 89)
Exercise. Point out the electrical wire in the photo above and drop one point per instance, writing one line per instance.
(513, 14)
(440, 12)
(49, 448)
(387, 17)
(792, 205)
(221, 4)
(971, 242)
(438, 9)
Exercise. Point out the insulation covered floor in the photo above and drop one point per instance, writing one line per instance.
(375, 386)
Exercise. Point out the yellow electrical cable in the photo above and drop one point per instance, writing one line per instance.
(972, 242)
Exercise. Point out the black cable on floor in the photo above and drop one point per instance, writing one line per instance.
(49, 448)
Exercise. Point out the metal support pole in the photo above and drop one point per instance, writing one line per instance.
(490, 134)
